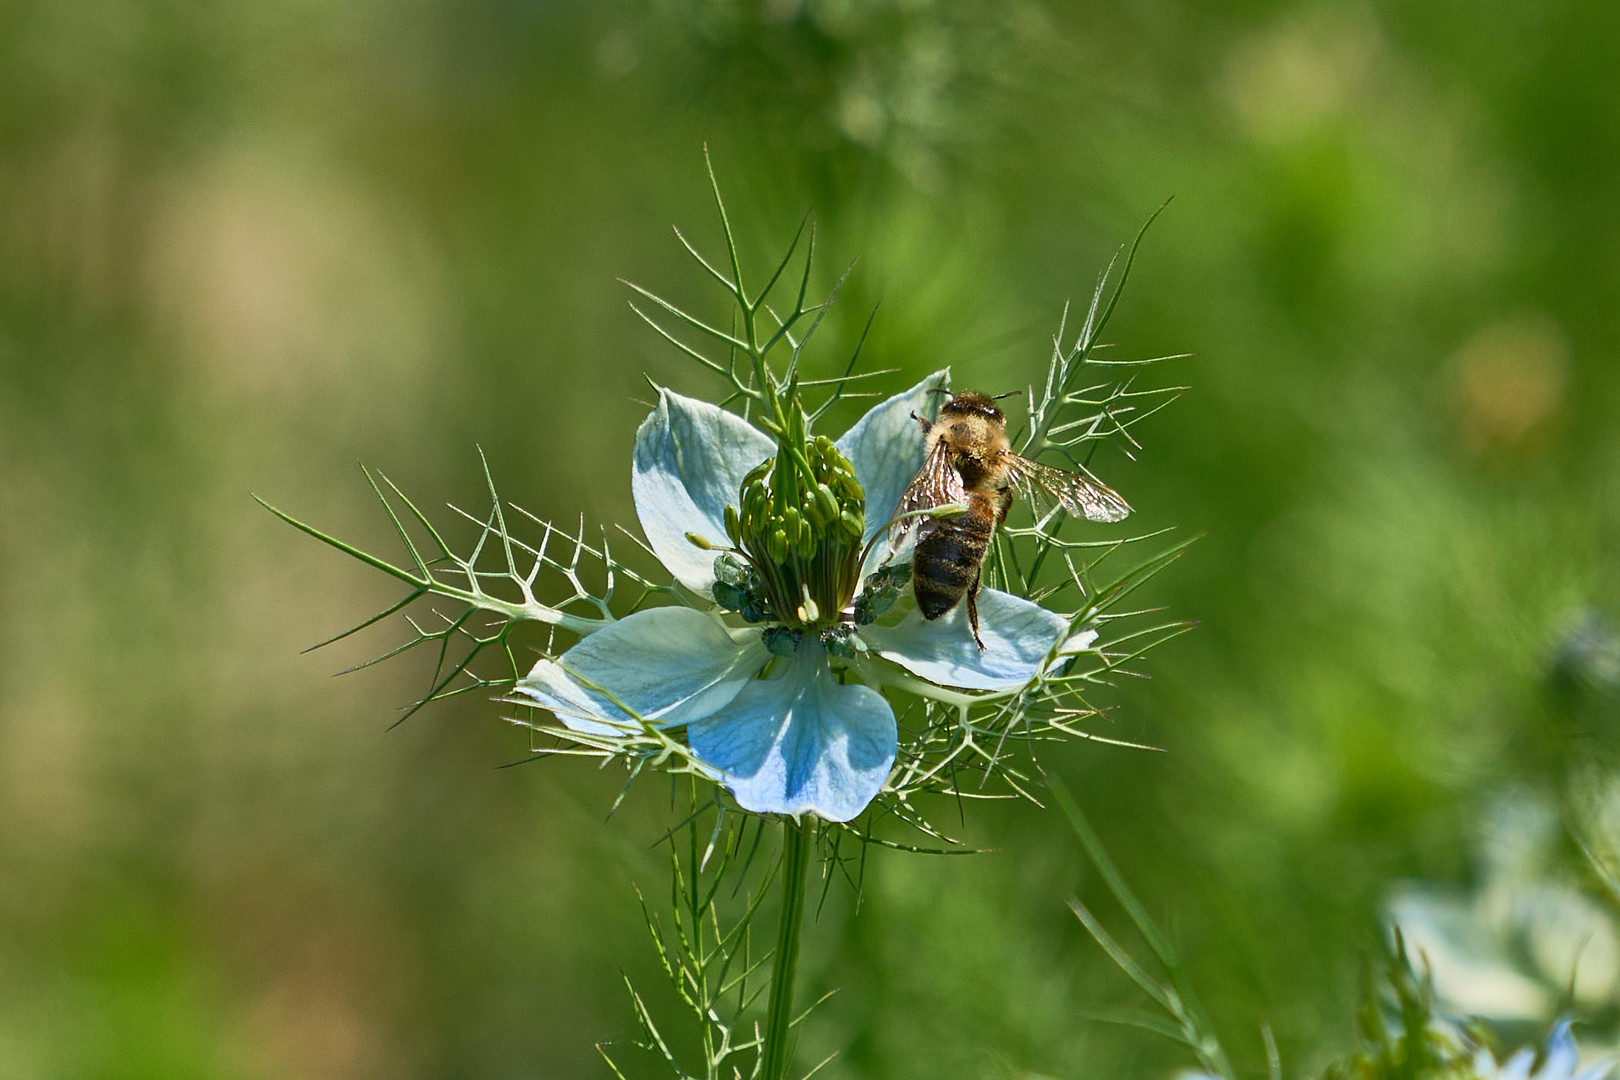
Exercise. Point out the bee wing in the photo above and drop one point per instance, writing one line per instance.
(935, 484)
(1076, 492)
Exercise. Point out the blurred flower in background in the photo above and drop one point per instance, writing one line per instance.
(1527, 942)
(1560, 1059)
(1408, 1033)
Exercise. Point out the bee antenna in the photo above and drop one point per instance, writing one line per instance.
(938, 390)
(1010, 393)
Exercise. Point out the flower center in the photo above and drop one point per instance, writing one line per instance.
(800, 525)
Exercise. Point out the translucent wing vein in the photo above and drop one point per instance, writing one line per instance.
(1076, 492)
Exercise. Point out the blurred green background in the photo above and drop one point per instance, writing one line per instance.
(244, 245)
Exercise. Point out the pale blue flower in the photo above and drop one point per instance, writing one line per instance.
(1512, 948)
(1559, 1061)
(792, 734)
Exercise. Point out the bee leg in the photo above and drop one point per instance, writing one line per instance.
(926, 426)
(973, 611)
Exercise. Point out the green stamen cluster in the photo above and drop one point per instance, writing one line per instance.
(801, 517)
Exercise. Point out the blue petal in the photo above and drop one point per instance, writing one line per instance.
(886, 447)
(666, 665)
(1018, 636)
(1517, 1067)
(800, 743)
(690, 460)
(1562, 1055)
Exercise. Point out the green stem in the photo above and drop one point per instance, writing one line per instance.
(795, 862)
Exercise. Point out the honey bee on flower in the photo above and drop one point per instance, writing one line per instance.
(969, 464)
(786, 707)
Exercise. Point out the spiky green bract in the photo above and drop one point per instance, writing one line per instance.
(763, 391)
(722, 870)
(499, 575)
(1404, 1037)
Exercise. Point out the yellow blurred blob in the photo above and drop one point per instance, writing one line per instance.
(1507, 382)
(1290, 78)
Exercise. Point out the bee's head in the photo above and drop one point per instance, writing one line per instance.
(973, 403)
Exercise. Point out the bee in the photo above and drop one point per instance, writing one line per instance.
(969, 463)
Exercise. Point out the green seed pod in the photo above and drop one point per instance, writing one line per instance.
(733, 525)
(852, 523)
(776, 545)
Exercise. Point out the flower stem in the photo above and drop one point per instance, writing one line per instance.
(795, 862)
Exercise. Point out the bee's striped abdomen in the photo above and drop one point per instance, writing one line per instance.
(949, 555)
